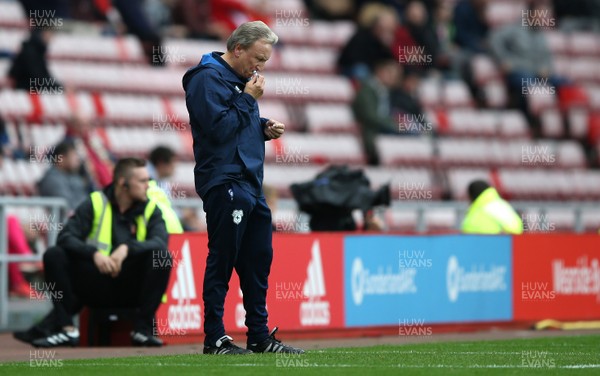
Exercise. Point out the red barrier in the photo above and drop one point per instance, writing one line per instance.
(305, 287)
(556, 277)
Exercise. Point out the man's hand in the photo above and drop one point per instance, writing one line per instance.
(255, 86)
(118, 256)
(105, 264)
(274, 129)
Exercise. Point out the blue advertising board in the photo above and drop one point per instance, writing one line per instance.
(403, 280)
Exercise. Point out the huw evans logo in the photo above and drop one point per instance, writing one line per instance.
(315, 311)
(478, 279)
(185, 314)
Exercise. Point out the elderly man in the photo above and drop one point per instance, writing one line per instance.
(229, 135)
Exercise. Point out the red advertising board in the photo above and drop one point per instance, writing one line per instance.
(556, 277)
(305, 286)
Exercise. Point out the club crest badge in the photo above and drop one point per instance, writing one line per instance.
(237, 216)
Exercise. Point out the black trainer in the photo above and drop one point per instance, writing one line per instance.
(225, 346)
(272, 344)
(146, 340)
(30, 335)
(62, 338)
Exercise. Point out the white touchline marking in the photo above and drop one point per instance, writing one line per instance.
(473, 366)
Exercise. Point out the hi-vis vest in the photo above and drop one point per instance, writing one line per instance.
(490, 214)
(101, 234)
(159, 196)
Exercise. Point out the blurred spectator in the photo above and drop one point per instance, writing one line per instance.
(29, 70)
(64, 179)
(196, 16)
(330, 10)
(91, 149)
(524, 56)
(227, 15)
(444, 28)
(47, 8)
(405, 106)
(372, 106)
(471, 28)
(373, 41)
(425, 44)
(161, 168)
(17, 245)
(131, 14)
(489, 213)
(582, 15)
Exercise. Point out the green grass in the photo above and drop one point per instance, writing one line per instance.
(541, 356)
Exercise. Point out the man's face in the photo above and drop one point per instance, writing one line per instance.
(138, 184)
(253, 58)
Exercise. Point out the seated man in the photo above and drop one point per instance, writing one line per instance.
(489, 213)
(104, 259)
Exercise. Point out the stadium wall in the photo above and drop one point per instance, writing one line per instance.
(355, 285)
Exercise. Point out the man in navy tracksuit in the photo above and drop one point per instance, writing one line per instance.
(229, 136)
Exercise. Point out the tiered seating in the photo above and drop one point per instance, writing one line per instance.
(396, 150)
(330, 118)
(12, 14)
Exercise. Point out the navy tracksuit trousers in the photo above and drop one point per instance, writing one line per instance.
(240, 238)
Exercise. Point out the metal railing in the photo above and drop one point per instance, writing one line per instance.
(459, 209)
(56, 206)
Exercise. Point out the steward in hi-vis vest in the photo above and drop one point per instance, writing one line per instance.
(112, 253)
(489, 213)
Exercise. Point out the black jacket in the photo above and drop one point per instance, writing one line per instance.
(74, 235)
(228, 131)
(29, 69)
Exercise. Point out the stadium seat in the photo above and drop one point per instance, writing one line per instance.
(552, 124)
(468, 122)
(557, 42)
(506, 12)
(396, 150)
(495, 94)
(460, 178)
(513, 124)
(281, 177)
(306, 59)
(96, 48)
(570, 154)
(297, 148)
(582, 43)
(11, 39)
(484, 69)
(457, 94)
(12, 14)
(15, 104)
(330, 118)
(302, 87)
(593, 93)
(578, 120)
(465, 152)
(275, 109)
(591, 221)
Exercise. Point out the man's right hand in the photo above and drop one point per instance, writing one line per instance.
(255, 86)
(105, 264)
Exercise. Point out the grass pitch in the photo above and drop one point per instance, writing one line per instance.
(540, 356)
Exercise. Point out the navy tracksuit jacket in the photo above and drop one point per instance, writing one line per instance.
(229, 150)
